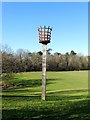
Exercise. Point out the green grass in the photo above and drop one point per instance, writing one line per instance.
(66, 98)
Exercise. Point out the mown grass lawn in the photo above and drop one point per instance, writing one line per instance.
(66, 98)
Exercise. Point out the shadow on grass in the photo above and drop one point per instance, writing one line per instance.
(28, 83)
(58, 96)
(46, 111)
(58, 106)
(24, 89)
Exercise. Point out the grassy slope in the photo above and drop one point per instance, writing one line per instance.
(66, 97)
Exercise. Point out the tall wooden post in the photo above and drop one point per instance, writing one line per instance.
(44, 38)
(44, 47)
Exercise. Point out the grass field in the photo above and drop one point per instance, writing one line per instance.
(66, 98)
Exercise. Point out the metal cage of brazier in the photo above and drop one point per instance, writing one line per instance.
(44, 34)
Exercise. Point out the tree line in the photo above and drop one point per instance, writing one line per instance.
(25, 61)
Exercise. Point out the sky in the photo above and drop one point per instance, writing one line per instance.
(69, 22)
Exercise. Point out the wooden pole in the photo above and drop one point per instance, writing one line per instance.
(44, 47)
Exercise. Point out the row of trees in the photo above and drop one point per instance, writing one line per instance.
(25, 61)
